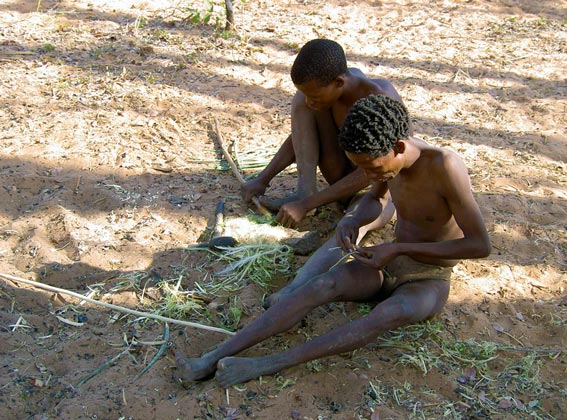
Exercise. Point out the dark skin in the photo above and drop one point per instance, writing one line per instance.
(317, 113)
(439, 225)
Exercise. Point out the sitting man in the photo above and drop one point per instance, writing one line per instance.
(438, 223)
(326, 90)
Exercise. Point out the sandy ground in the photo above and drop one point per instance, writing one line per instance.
(110, 168)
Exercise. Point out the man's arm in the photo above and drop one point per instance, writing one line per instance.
(292, 212)
(284, 157)
(368, 210)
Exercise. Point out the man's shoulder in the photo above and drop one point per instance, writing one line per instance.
(379, 82)
(448, 165)
(441, 158)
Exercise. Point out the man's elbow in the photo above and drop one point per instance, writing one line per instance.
(484, 249)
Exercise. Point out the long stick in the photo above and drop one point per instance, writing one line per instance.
(114, 307)
(265, 212)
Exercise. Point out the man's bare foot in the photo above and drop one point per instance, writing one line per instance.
(194, 369)
(272, 300)
(277, 296)
(235, 370)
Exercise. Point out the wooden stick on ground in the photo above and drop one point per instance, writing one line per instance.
(265, 212)
(114, 307)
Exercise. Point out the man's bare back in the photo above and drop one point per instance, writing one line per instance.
(359, 86)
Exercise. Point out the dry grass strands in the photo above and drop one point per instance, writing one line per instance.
(249, 263)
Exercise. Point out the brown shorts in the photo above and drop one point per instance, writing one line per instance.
(404, 269)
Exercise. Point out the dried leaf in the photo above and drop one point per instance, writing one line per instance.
(504, 404)
(499, 328)
(39, 383)
(162, 168)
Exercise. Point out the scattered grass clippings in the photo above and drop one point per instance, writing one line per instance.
(178, 303)
(485, 389)
(249, 263)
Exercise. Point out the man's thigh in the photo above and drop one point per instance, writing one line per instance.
(356, 282)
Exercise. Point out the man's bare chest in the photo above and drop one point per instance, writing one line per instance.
(419, 203)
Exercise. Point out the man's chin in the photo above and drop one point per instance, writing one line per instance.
(321, 108)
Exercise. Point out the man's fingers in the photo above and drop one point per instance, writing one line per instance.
(284, 219)
(363, 259)
(348, 244)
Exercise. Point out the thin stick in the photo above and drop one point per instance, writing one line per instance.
(265, 212)
(76, 191)
(343, 258)
(115, 307)
(529, 350)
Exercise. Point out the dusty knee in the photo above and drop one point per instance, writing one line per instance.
(322, 288)
(398, 311)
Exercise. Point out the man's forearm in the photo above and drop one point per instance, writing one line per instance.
(455, 249)
(284, 157)
(367, 209)
(343, 189)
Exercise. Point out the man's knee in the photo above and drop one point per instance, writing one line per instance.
(420, 300)
(395, 311)
(298, 104)
(400, 310)
(322, 288)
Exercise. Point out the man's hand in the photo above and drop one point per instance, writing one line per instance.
(377, 256)
(291, 213)
(347, 234)
(254, 187)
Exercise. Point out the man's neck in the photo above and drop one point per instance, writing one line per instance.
(411, 154)
(350, 89)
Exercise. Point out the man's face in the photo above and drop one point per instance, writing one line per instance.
(321, 98)
(378, 169)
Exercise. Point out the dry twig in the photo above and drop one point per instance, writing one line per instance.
(265, 212)
(114, 307)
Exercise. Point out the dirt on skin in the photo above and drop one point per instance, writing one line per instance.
(110, 168)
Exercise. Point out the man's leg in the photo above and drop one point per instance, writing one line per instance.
(314, 137)
(352, 281)
(410, 303)
(329, 254)
(305, 138)
(333, 162)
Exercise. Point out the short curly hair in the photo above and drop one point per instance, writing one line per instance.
(322, 60)
(374, 125)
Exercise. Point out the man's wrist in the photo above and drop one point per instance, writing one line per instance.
(401, 249)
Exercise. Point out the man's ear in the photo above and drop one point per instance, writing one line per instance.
(340, 81)
(399, 147)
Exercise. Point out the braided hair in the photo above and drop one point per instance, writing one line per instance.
(322, 60)
(374, 125)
